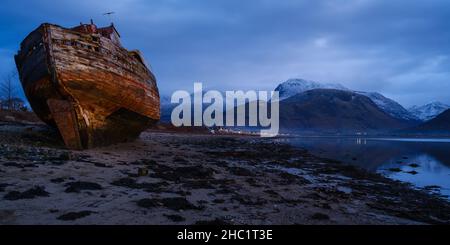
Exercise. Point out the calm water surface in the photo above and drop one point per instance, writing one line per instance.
(422, 162)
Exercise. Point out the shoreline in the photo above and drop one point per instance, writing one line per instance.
(195, 178)
(368, 136)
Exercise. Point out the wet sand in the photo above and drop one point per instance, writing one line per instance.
(183, 178)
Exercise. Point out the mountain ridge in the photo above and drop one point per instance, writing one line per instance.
(428, 111)
(440, 125)
(335, 111)
(292, 87)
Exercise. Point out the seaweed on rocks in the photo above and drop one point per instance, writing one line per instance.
(174, 203)
(37, 191)
(74, 215)
(80, 186)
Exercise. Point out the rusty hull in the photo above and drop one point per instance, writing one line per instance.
(84, 83)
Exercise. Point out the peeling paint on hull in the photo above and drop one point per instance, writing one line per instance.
(84, 83)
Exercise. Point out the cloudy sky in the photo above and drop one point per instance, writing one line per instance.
(398, 48)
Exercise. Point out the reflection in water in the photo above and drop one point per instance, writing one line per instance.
(423, 162)
(360, 141)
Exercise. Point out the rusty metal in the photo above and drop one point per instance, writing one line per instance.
(84, 83)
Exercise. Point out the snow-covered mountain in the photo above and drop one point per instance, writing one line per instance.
(428, 111)
(295, 86)
(390, 106)
(335, 111)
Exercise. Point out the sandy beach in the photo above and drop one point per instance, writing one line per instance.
(195, 178)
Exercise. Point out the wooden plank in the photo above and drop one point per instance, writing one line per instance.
(65, 118)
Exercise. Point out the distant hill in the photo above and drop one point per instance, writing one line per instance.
(390, 106)
(335, 111)
(295, 86)
(428, 111)
(327, 111)
(305, 106)
(438, 125)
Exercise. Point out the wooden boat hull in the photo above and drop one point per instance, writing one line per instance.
(87, 86)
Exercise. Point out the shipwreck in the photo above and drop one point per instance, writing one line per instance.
(83, 82)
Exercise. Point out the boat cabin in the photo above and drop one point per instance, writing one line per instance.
(109, 32)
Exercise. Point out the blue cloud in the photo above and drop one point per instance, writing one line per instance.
(398, 48)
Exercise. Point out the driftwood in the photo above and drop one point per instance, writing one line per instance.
(84, 83)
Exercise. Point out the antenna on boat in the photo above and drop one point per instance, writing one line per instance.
(109, 14)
